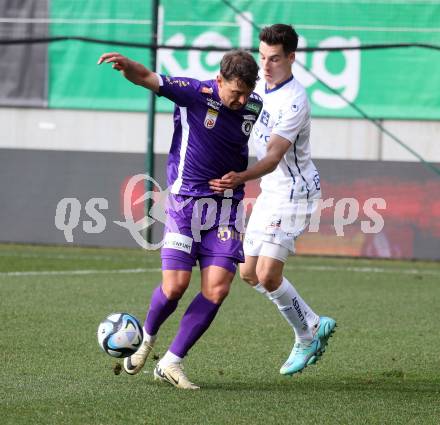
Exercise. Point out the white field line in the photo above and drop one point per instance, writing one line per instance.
(299, 267)
(77, 272)
(76, 257)
(366, 270)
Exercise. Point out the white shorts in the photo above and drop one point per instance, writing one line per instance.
(278, 222)
(267, 249)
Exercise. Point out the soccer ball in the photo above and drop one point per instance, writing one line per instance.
(120, 335)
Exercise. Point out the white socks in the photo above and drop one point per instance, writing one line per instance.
(169, 358)
(261, 289)
(150, 339)
(294, 309)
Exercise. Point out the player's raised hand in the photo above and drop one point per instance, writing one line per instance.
(119, 62)
(131, 70)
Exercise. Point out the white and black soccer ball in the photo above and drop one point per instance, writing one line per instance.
(120, 335)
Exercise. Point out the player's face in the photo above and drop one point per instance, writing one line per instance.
(275, 64)
(233, 93)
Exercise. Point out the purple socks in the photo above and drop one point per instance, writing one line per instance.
(194, 323)
(160, 308)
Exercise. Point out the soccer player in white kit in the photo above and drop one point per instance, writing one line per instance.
(290, 192)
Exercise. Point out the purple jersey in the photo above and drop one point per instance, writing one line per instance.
(209, 139)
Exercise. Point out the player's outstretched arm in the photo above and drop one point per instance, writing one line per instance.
(131, 70)
(276, 148)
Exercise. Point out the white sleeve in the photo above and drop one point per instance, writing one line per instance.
(159, 77)
(291, 119)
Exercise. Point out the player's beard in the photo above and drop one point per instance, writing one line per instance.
(235, 106)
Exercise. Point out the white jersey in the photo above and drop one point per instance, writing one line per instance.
(286, 112)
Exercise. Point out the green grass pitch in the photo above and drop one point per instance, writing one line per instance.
(382, 366)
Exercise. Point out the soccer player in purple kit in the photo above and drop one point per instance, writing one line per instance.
(212, 123)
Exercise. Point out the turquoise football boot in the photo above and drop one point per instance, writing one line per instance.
(326, 328)
(300, 356)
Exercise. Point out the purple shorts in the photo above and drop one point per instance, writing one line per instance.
(203, 230)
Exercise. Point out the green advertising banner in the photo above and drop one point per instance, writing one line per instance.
(391, 83)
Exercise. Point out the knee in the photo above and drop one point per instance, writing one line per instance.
(249, 276)
(217, 293)
(270, 280)
(174, 290)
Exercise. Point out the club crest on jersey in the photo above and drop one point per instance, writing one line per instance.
(210, 118)
(225, 233)
(246, 127)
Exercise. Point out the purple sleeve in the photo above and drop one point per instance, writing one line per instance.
(182, 91)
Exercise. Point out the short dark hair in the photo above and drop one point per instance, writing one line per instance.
(241, 65)
(280, 34)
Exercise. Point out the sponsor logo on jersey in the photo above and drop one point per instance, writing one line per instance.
(206, 90)
(265, 118)
(213, 104)
(249, 117)
(254, 107)
(273, 228)
(246, 127)
(210, 118)
(275, 223)
(180, 83)
(317, 181)
(178, 241)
